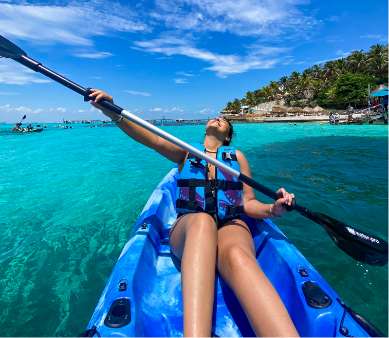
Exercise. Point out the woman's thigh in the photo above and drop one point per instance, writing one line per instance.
(235, 234)
(179, 231)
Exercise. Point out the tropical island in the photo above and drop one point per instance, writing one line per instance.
(354, 84)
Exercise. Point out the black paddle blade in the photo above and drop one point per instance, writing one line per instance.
(360, 245)
(9, 49)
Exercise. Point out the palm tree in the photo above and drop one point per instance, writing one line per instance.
(340, 66)
(318, 83)
(356, 62)
(329, 70)
(378, 62)
(250, 99)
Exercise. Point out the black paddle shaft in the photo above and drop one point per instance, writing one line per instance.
(359, 245)
(38, 67)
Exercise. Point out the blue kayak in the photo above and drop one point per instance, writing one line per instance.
(143, 295)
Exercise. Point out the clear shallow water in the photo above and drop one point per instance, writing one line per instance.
(68, 199)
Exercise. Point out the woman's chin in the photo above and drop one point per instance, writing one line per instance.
(213, 126)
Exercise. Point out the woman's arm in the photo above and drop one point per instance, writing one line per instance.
(252, 206)
(139, 134)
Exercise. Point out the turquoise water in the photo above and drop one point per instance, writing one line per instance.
(68, 199)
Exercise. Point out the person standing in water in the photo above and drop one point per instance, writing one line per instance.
(212, 230)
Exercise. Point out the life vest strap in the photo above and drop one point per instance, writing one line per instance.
(191, 182)
(218, 184)
(189, 205)
(231, 211)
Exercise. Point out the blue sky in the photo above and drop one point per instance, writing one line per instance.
(172, 58)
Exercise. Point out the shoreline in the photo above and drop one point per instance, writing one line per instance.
(268, 118)
(282, 119)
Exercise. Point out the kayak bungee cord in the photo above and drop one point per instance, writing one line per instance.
(358, 244)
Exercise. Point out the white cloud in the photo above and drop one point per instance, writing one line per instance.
(243, 17)
(137, 93)
(7, 108)
(180, 81)
(93, 55)
(206, 111)
(376, 37)
(176, 109)
(72, 24)
(186, 74)
(166, 110)
(77, 23)
(16, 74)
(13, 113)
(61, 109)
(341, 53)
(222, 64)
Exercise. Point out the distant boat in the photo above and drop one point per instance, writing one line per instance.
(371, 115)
(23, 130)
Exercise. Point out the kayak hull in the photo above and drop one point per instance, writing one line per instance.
(143, 294)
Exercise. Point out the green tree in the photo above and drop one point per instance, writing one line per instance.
(378, 62)
(235, 106)
(350, 89)
(356, 62)
(335, 84)
(250, 99)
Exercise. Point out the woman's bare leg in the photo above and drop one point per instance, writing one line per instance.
(194, 239)
(238, 267)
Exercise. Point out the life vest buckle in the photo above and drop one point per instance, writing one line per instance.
(213, 184)
(228, 156)
(196, 162)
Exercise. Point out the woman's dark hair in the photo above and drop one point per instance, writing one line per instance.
(228, 139)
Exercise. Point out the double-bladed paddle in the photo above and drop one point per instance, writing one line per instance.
(358, 244)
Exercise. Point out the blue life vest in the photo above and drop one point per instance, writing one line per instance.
(220, 197)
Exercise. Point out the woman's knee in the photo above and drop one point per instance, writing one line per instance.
(202, 223)
(234, 257)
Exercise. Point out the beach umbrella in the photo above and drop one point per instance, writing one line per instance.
(380, 93)
(318, 109)
(295, 110)
(279, 110)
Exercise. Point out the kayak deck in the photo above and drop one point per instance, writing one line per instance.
(143, 294)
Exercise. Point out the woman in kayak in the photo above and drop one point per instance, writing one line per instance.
(202, 241)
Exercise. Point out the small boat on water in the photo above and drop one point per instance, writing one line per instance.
(143, 295)
(372, 115)
(27, 130)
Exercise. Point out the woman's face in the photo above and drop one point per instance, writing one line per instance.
(220, 124)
